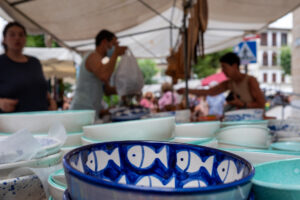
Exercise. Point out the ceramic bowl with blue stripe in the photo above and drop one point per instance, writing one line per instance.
(155, 170)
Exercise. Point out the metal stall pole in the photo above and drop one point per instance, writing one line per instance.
(186, 6)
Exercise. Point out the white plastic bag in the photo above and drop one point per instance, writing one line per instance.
(128, 78)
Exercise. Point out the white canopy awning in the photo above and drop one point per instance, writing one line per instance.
(75, 22)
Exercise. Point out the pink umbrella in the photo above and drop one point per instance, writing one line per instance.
(218, 77)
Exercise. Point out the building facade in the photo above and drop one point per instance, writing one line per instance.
(268, 70)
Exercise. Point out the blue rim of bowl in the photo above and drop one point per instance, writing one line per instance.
(275, 185)
(126, 122)
(48, 112)
(166, 191)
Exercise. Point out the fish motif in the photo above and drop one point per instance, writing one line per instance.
(191, 162)
(143, 156)
(228, 172)
(78, 165)
(152, 181)
(195, 184)
(98, 160)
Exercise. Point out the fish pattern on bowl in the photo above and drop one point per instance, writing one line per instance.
(159, 166)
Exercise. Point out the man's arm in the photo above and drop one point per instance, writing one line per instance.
(222, 87)
(104, 71)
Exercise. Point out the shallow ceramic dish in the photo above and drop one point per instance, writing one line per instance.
(289, 139)
(245, 122)
(57, 185)
(47, 161)
(286, 146)
(197, 129)
(277, 180)
(155, 170)
(19, 188)
(244, 114)
(145, 129)
(49, 146)
(190, 140)
(243, 135)
(258, 156)
(40, 122)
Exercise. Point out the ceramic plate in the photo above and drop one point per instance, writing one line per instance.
(286, 146)
(57, 184)
(47, 161)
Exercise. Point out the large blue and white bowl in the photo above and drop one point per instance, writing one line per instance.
(40, 122)
(244, 114)
(155, 170)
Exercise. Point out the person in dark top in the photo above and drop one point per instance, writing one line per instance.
(22, 83)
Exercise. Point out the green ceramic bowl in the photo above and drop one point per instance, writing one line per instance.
(278, 180)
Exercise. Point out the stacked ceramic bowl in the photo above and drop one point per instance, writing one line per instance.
(202, 133)
(38, 123)
(155, 170)
(244, 114)
(145, 129)
(244, 136)
(285, 130)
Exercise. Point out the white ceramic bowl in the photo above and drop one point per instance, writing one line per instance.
(243, 135)
(245, 122)
(244, 114)
(197, 129)
(57, 184)
(40, 122)
(285, 128)
(19, 188)
(144, 129)
(289, 139)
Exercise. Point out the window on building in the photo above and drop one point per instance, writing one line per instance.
(265, 59)
(283, 39)
(274, 59)
(263, 39)
(274, 78)
(265, 77)
(282, 78)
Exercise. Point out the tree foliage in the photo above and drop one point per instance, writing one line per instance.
(209, 64)
(149, 70)
(38, 41)
(285, 59)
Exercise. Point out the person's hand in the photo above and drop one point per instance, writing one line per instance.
(181, 91)
(120, 50)
(236, 102)
(8, 105)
